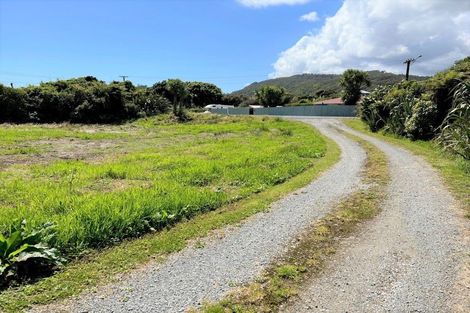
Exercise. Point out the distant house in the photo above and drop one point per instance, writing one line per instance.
(339, 101)
(218, 106)
(330, 101)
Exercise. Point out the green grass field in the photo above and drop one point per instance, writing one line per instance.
(101, 184)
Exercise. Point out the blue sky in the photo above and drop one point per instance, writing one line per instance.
(227, 42)
(219, 41)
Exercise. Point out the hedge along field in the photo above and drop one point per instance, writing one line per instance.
(152, 173)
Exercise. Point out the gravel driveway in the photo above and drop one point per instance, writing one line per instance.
(189, 277)
(408, 259)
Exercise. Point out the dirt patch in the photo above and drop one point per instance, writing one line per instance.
(59, 149)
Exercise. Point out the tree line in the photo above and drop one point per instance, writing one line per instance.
(89, 100)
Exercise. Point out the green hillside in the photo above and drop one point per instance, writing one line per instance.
(317, 84)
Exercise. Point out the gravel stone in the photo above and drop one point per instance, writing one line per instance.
(410, 258)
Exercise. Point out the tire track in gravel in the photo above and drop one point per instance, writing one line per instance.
(410, 258)
(187, 278)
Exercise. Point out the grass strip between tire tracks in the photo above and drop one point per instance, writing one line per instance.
(102, 267)
(307, 257)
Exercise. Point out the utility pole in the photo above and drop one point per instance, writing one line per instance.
(408, 62)
(123, 77)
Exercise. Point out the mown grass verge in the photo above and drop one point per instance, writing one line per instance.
(454, 170)
(99, 267)
(282, 280)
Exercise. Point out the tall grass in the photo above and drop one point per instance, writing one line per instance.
(173, 172)
(455, 130)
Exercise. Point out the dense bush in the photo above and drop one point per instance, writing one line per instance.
(84, 100)
(398, 109)
(442, 86)
(373, 109)
(271, 96)
(150, 103)
(455, 130)
(400, 101)
(12, 105)
(202, 94)
(438, 107)
(89, 100)
(198, 94)
(422, 122)
(249, 101)
(235, 100)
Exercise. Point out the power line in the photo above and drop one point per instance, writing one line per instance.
(408, 63)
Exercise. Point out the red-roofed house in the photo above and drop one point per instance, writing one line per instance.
(331, 101)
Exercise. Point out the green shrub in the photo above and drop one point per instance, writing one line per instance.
(455, 129)
(12, 105)
(404, 109)
(373, 109)
(88, 100)
(442, 86)
(421, 123)
(150, 103)
(48, 104)
(232, 99)
(400, 100)
(23, 252)
(271, 96)
(438, 107)
(202, 94)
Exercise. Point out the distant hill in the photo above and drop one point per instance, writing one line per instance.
(315, 85)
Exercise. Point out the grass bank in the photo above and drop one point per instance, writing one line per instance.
(314, 155)
(306, 258)
(151, 176)
(454, 170)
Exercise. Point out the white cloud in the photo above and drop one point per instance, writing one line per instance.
(267, 3)
(380, 34)
(310, 17)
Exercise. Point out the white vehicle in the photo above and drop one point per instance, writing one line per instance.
(218, 106)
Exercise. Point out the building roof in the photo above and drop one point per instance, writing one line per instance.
(331, 101)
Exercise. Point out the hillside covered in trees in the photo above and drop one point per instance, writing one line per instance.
(321, 85)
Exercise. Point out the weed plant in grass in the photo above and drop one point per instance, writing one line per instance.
(173, 172)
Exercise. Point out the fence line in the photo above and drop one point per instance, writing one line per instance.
(311, 110)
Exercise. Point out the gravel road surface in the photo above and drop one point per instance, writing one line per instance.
(413, 257)
(186, 279)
